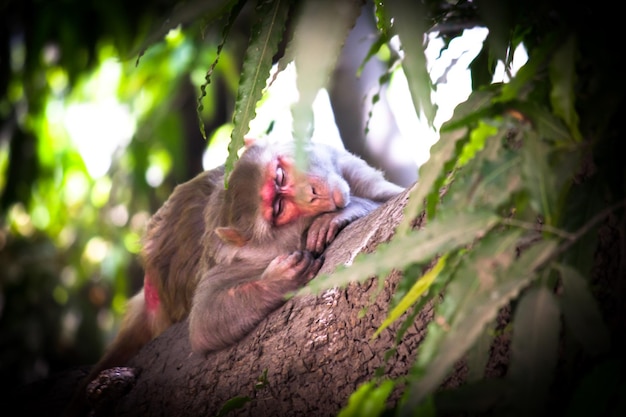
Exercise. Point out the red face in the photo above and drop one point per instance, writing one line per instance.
(288, 194)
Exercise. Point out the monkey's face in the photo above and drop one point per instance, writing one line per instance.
(267, 194)
(288, 194)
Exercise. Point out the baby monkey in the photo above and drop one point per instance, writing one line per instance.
(227, 257)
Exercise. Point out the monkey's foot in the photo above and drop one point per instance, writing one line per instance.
(110, 385)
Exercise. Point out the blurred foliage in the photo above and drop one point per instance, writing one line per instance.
(523, 194)
(91, 142)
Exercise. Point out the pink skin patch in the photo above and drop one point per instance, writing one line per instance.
(151, 294)
(268, 191)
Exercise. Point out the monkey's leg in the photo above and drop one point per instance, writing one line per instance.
(231, 300)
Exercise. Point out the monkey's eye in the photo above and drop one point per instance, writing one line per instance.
(278, 207)
(280, 177)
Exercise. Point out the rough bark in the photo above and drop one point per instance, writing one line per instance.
(311, 354)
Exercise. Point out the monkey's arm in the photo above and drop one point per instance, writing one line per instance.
(326, 226)
(366, 181)
(231, 300)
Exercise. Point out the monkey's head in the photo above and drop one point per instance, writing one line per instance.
(268, 194)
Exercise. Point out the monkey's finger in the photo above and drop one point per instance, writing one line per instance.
(332, 232)
(316, 238)
(314, 268)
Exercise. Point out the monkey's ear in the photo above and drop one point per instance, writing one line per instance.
(248, 141)
(231, 235)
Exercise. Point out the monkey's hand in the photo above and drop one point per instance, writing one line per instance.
(297, 268)
(327, 226)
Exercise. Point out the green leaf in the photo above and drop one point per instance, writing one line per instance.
(368, 400)
(185, 13)
(562, 70)
(478, 136)
(321, 31)
(419, 288)
(233, 13)
(534, 350)
(233, 404)
(265, 36)
(489, 181)
(444, 153)
(436, 238)
(470, 302)
(441, 152)
(409, 23)
(581, 313)
(536, 61)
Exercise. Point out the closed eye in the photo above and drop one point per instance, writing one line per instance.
(278, 207)
(281, 178)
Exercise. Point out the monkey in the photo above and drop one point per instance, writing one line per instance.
(226, 257)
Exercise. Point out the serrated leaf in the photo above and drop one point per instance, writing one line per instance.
(581, 313)
(534, 350)
(489, 181)
(477, 138)
(232, 15)
(441, 152)
(419, 288)
(409, 23)
(437, 237)
(184, 13)
(473, 310)
(265, 37)
(444, 153)
(562, 70)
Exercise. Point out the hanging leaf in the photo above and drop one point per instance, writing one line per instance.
(232, 15)
(410, 24)
(581, 313)
(534, 350)
(265, 36)
(368, 400)
(321, 31)
(563, 80)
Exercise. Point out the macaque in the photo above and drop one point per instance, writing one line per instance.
(227, 257)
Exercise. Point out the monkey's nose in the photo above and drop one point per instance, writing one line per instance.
(340, 198)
